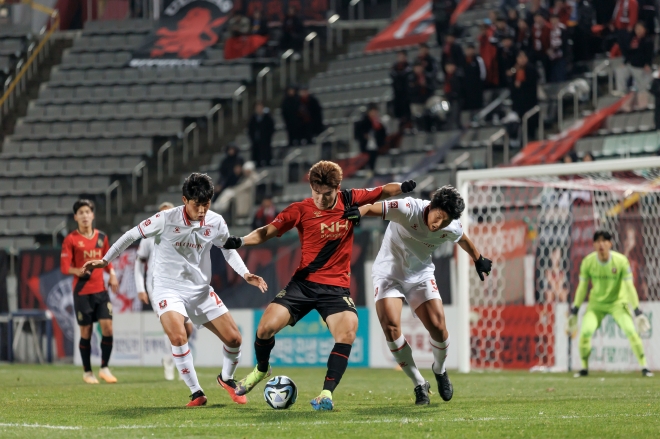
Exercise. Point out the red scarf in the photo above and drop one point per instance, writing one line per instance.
(520, 75)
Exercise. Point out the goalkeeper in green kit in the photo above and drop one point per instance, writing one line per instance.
(612, 290)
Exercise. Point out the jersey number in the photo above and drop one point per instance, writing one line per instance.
(217, 299)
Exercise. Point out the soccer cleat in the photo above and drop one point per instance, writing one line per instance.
(647, 373)
(246, 385)
(581, 373)
(445, 387)
(168, 367)
(230, 387)
(422, 394)
(197, 399)
(107, 376)
(323, 401)
(89, 378)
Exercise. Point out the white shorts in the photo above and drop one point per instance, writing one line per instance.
(200, 308)
(415, 293)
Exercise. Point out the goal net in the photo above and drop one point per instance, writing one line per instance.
(536, 224)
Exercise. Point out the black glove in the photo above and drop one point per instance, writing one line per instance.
(638, 312)
(575, 310)
(233, 242)
(483, 265)
(352, 214)
(408, 186)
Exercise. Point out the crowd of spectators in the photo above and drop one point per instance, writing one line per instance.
(302, 114)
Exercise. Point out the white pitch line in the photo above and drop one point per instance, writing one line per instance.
(330, 422)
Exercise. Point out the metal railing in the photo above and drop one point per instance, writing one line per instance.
(220, 126)
(265, 75)
(605, 65)
(352, 5)
(56, 231)
(108, 200)
(481, 116)
(167, 146)
(525, 122)
(329, 29)
(140, 170)
(240, 95)
(287, 160)
(283, 59)
(312, 37)
(192, 128)
(489, 147)
(26, 69)
(568, 89)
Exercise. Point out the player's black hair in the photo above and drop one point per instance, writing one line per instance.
(82, 202)
(607, 236)
(198, 187)
(449, 200)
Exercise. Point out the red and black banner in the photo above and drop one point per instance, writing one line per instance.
(275, 10)
(185, 30)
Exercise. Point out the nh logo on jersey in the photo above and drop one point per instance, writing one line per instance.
(177, 230)
(207, 232)
(92, 254)
(162, 304)
(334, 230)
(147, 223)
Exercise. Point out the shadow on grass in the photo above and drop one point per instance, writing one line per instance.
(139, 412)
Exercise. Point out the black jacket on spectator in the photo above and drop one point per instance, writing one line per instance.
(474, 74)
(430, 65)
(292, 33)
(399, 74)
(638, 52)
(506, 59)
(290, 106)
(364, 130)
(454, 53)
(259, 27)
(261, 130)
(418, 92)
(310, 115)
(647, 13)
(525, 97)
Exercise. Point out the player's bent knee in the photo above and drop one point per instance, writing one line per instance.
(178, 339)
(234, 340)
(347, 337)
(265, 330)
(392, 332)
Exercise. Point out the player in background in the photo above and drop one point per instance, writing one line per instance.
(322, 280)
(145, 253)
(404, 269)
(183, 238)
(91, 301)
(612, 289)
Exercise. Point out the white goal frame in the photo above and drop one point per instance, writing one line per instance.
(463, 180)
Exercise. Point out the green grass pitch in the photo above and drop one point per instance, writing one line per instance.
(52, 401)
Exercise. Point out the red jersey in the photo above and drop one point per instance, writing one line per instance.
(326, 239)
(76, 250)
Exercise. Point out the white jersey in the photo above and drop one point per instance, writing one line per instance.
(145, 256)
(406, 252)
(182, 249)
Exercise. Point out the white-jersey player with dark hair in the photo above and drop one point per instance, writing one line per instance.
(144, 263)
(404, 269)
(183, 237)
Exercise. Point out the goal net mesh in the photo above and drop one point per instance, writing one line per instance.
(537, 231)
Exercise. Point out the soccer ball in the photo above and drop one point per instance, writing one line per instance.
(280, 392)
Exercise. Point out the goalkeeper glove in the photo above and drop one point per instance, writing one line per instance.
(233, 242)
(352, 214)
(572, 324)
(483, 265)
(408, 186)
(641, 322)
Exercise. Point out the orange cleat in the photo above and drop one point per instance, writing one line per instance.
(107, 376)
(197, 399)
(230, 387)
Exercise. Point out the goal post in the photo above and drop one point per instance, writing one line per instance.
(528, 220)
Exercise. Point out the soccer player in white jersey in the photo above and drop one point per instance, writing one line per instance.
(144, 262)
(183, 237)
(404, 269)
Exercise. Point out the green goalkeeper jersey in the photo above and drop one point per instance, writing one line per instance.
(612, 282)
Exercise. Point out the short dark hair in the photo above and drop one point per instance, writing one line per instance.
(325, 173)
(198, 187)
(81, 203)
(604, 234)
(448, 199)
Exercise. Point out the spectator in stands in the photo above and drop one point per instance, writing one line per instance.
(541, 43)
(508, 5)
(558, 49)
(523, 80)
(442, 11)
(231, 169)
(238, 24)
(428, 61)
(507, 54)
(399, 74)
(452, 51)
(655, 91)
(582, 35)
(453, 88)
(310, 114)
(512, 19)
(624, 18)
(502, 30)
(524, 37)
(371, 133)
(588, 157)
(421, 86)
(562, 10)
(289, 107)
(637, 50)
(293, 31)
(571, 157)
(258, 25)
(260, 130)
(534, 8)
(246, 179)
(474, 74)
(265, 214)
(488, 52)
(648, 11)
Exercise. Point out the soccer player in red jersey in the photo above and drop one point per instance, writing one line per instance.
(91, 301)
(325, 226)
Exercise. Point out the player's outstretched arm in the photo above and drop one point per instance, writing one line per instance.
(482, 265)
(394, 189)
(122, 244)
(375, 209)
(256, 237)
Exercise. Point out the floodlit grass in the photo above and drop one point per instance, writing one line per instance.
(52, 401)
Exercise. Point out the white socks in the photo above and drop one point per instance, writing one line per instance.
(403, 355)
(184, 363)
(230, 361)
(439, 354)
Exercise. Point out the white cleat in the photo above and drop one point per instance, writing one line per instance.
(168, 367)
(89, 378)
